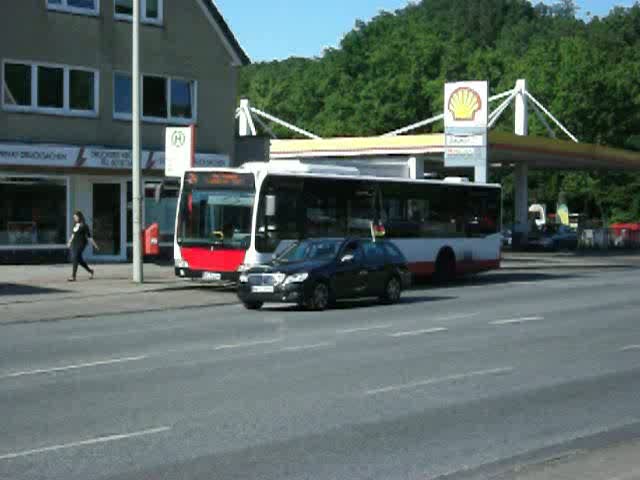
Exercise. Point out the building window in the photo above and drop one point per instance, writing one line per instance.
(17, 85)
(82, 92)
(33, 211)
(51, 89)
(154, 97)
(86, 7)
(181, 98)
(150, 10)
(122, 96)
(164, 99)
(160, 206)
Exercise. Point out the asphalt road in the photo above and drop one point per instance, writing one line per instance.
(451, 382)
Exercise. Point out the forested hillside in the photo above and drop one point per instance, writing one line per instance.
(390, 72)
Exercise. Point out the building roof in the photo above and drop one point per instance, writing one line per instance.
(222, 28)
(505, 148)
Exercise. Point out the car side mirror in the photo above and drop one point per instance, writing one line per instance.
(270, 205)
(348, 258)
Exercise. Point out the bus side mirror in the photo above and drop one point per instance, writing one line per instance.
(270, 205)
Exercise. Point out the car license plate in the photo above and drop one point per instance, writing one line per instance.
(211, 276)
(262, 289)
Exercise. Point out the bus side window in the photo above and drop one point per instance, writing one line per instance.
(361, 209)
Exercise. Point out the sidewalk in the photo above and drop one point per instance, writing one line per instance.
(568, 260)
(33, 293)
(619, 462)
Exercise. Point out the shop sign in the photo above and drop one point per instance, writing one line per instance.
(93, 157)
(38, 155)
(109, 158)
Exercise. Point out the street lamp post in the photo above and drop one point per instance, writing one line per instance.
(135, 135)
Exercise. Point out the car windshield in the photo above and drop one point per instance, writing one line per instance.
(310, 250)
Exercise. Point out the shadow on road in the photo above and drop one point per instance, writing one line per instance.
(362, 303)
(18, 289)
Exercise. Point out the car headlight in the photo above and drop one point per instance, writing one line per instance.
(182, 264)
(296, 278)
(243, 278)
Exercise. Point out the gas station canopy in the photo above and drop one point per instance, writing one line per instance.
(504, 148)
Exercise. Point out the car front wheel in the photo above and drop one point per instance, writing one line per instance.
(392, 291)
(319, 297)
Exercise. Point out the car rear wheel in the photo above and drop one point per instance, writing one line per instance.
(392, 291)
(253, 305)
(319, 297)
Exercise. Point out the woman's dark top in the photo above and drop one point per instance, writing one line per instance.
(81, 236)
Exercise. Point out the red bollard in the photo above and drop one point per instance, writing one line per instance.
(151, 240)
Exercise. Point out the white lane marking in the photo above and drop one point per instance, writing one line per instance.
(414, 333)
(307, 347)
(456, 317)
(73, 367)
(630, 347)
(432, 381)
(365, 329)
(83, 443)
(256, 343)
(512, 321)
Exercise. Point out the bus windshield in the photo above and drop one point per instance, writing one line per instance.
(216, 210)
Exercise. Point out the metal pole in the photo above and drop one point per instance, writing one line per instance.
(135, 135)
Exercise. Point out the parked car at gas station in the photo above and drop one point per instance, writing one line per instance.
(551, 237)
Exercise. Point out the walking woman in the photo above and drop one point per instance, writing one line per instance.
(78, 242)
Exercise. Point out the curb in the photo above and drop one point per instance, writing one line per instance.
(569, 267)
(123, 312)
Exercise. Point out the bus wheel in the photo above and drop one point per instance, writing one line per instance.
(253, 305)
(320, 297)
(392, 291)
(445, 266)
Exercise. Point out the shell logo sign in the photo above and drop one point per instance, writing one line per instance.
(464, 104)
(466, 112)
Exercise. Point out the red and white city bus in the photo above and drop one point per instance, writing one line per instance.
(231, 219)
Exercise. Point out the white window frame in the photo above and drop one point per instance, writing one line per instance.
(65, 7)
(66, 109)
(162, 120)
(44, 246)
(143, 14)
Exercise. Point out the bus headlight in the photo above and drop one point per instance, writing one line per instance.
(296, 278)
(182, 264)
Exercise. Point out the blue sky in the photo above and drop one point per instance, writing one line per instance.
(276, 29)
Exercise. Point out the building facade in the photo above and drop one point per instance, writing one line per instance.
(65, 116)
